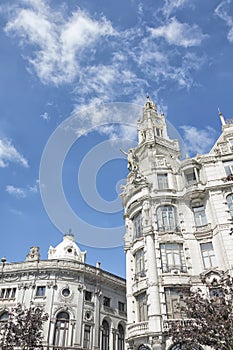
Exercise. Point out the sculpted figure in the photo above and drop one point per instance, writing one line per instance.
(132, 159)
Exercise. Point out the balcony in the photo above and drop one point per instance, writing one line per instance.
(204, 231)
(169, 229)
(182, 322)
(109, 309)
(175, 269)
(136, 329)
(194, 188)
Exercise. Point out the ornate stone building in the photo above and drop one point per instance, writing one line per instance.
(86, 305)
(178, 216)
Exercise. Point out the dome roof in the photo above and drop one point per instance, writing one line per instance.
(67, 249)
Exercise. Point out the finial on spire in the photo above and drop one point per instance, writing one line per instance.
(148, 97)
(221, 117)
(69, 233)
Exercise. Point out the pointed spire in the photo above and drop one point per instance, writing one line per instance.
(221, 117)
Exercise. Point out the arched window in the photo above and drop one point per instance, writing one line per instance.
(61, 329)
(121, 337)
(230, 204)
(105, 335)
(167, 218)
(4, 316)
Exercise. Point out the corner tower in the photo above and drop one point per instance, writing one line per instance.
(150, 183)
(177, 217)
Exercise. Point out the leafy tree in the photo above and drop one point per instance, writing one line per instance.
(209, 318)
(23, 329)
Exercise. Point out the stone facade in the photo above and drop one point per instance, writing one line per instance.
(86, 305)
(178, 216)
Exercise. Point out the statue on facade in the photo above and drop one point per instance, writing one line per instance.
(132, 159)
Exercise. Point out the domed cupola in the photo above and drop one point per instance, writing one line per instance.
(67, 249)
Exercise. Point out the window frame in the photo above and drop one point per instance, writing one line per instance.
(105, 335)
(40, 291)
(210, 257)
(61, 329)
(120, 337)
(106, 301)
(139, 263)
(200, 217)
(142, 307)
(162, 179)
(87, 336)
(8, 293)
(229, 199)
(167, 218)
(137, 225)
(228, 167)
(171, 255)
(88, 295)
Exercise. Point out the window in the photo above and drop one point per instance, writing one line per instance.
(200, 216)
(174, 302)
(65, 292)
(142, 307)
(228, 167)
(106, 301)
(162, 181)
(159, 132)
(121, 306)
(137, 221)
(230, 204)
(87, 337)
(167, 219)
(172, 256)
(88, 295)
(4, 317)
(191, 177)
(105, 335)
(120, 337)
(61, 329)
(40, 291)
(208, 255)
(7, 293)
(139, 263)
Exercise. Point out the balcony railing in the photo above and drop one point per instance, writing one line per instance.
(167, 228)
(182, 322)
(173, 268)
(137, 328)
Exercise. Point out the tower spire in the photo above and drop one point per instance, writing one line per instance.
(221, 117)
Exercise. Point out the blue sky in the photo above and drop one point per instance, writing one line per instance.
(59, 58)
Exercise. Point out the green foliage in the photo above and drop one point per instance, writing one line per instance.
(209, 318)
(23, 329)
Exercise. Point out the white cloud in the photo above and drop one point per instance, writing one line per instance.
(177, 33)
(16, 191)
(9, 154)
(66, 49)
(45, 116)
(222, 12)
(198, 140)
(59, 43)
(20, 192)
(172, 5)
(157, 63)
